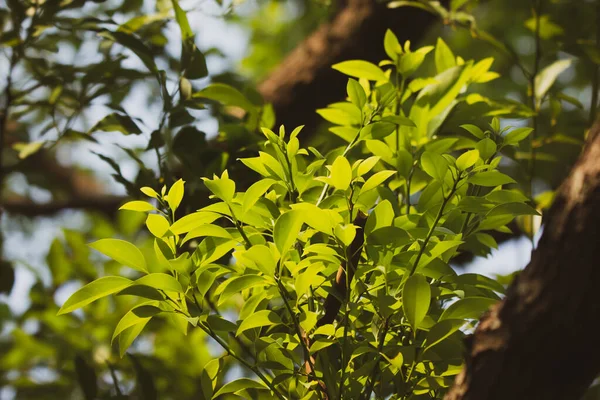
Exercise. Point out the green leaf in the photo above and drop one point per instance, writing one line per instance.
(513, 209)
(262, 257)
(182, 21)
(122, 252)
(227, 95)
(345, 233)
(93, 291)
(506, 196)
(157, 225)
(546, 78)
(321, 344)
(474, 130)
(444, 58)
(237, 284)
(258, 319)
(361, 69)
(410, 62)
(434, 165)
(222, 188)
(467, 159)
(136, 315)
(547, 28)
(480, 281)
(416, 298)
(341, 173)
(192, 60)
(137, 205)
(380, 130)
(127, 337)
(468, 308)
(517, 135)
(207, 230)
(175, 195)
(490, 178)
(160, 281)
(366, 165)
(487, 148)
(193, 221)
(116, 122)
(376, 180)
(239, 385)
(134, 44)
(255, 191)
(286, 230)
(391, 45)
(441, 331)
(356, 93)
(28, 149)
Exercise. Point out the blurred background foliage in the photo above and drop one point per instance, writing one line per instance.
(93, 107)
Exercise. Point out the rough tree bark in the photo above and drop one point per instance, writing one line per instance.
(540, 342)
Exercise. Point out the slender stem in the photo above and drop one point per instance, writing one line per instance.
(346, 324)
(251, 367)
(113, 375)
(408, 181)
(375, 371)
(293, 190)
(433, 226)
(298, 330)
(240, 228)
(346, 150)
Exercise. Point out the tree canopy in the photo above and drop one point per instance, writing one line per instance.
(283, 199)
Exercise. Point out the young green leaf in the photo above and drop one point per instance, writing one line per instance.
(137, 205)
(474, 130)
(157, 225)
(286, 229)
(122, 252)
(391, 45)
(341, 173)
(375, 180)
(237, 284)
(127, 337)
(361, 69)
(514, 137)
(468, 308)
(160, 281)
(416, 297)
(239, 385)
(467, 159)
(175, 195)
(356, 93)
(547, 76)
(140, 313)
(93, 291)
(257, 320)
(193, 221)
(490, 178)
(444, 58)
(434, 165)
(255, 191)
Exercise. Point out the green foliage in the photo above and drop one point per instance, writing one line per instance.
(399, 318)
(256, 266)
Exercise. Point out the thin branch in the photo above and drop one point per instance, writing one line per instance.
(105, 204)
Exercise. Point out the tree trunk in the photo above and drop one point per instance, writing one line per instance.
(540, 342)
